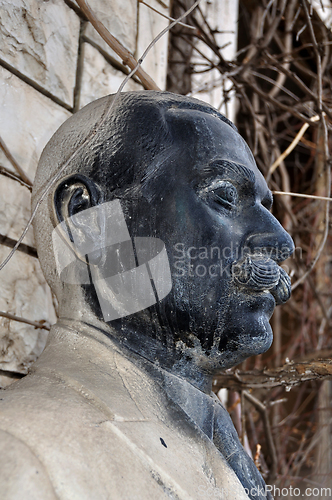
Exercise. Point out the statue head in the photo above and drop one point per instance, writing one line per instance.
(159, 230)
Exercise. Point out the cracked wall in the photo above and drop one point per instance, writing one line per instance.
(52, 63)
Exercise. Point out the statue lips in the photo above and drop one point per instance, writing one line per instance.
(256, 273)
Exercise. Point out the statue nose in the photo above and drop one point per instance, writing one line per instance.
(275, 242)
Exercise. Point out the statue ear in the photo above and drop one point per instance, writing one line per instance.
(73, 195)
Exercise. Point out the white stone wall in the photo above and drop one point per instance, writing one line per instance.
(212, 87)
(52, 62)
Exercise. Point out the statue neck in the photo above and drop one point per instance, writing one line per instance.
(145, 346)
(159, 348)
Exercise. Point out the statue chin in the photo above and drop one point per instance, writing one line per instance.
(237, 331)
(248, 330)
(257, 338)
(232, 346)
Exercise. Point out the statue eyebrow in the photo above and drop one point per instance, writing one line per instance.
(243, 172)
(239, 170)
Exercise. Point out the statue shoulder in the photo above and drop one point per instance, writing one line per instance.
(22, 471)
(66, 437)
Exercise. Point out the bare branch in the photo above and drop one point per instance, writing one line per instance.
(293, 144)
(22, 247)
(14, 162)
(166, 17)
(127, 58)
(37, 324)
(288, 376)
(7, 173)
(301, 195)
(268, 432)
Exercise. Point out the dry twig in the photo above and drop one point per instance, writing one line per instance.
(127, 58)
(7, 173)
(12, 160)
(288, 375)
(37, 324)
(268, 433)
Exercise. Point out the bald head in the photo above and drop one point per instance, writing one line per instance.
(116, 135)
(181, 174)
(115, 142)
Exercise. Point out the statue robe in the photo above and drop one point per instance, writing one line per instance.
(91, 422)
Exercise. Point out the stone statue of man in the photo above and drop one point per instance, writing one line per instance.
(157, 240)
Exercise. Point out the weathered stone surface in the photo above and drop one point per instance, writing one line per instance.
(150, 24)
(28, 120)
(23, 290)
(24, 293)
(100, 78)
(14, 210)
(323, 9)
(222, 17)
(120, 18)
(40, 39)
(5, 381)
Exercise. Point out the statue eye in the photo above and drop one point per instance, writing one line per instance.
(225, 194)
